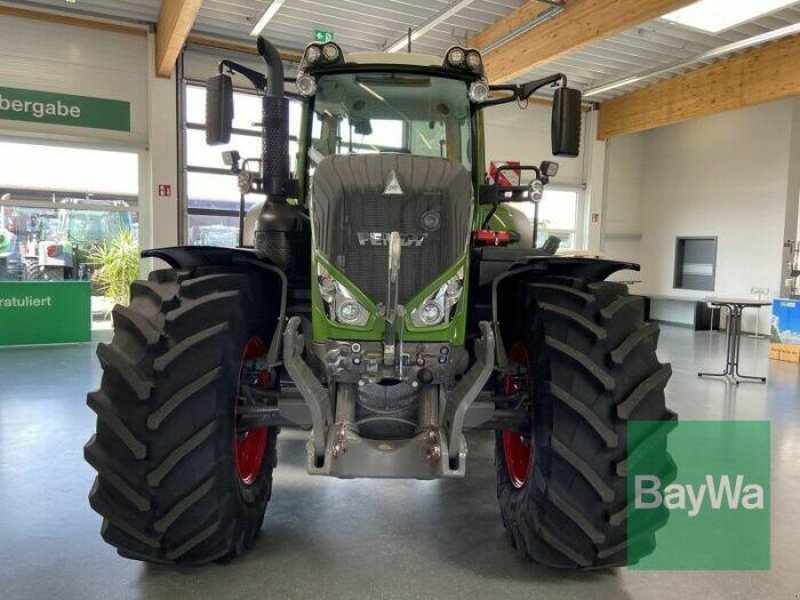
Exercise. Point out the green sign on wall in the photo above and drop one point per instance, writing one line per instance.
(64, 109)
(45, 312)
(323, 36)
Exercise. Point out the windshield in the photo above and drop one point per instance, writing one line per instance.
(93, 226)
(392, 112)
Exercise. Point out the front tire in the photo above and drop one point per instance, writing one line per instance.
(171, 482)
(586, 365)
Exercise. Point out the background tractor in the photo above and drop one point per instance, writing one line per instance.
(60, 245)
(388, 304)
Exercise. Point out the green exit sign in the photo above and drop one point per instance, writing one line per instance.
(323, 36)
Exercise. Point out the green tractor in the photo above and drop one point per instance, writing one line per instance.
(61, 244)
(386, 306)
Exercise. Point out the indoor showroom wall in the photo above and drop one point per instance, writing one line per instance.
(51, 57)
(732, 175)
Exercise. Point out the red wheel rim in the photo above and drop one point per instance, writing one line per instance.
(249, 446)
(517, 450)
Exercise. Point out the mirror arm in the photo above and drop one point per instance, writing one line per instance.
(524, 91)
(528, 89)
(257, 80)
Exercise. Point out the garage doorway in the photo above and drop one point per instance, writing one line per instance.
(59, 206)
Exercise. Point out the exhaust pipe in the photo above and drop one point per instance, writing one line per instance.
(275, 126)
(283, 231)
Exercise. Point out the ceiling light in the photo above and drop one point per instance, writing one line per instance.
(714, 16)
(267, 17)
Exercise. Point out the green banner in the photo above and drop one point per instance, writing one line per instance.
(710, 482)
(64, 109)
(45, 312)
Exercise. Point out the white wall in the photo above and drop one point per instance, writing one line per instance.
(725, 175)
(622, 220)
(732, 175)
(50, 57)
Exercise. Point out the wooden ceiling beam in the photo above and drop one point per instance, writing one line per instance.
(769, 73)
(583, 22)
(175, 20)
(521, 15)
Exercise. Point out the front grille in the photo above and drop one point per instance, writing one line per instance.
(353, 215)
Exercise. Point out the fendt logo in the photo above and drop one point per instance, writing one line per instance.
(393, 186)
(710, 495)
(382, 239)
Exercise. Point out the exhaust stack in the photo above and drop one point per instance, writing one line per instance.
(283, 231)
(275, 126)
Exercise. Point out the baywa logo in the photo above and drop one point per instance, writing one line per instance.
(714, 494)
(699, 490)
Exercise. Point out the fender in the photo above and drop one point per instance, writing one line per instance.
(495, 261)
(504, 266)
(187, 257)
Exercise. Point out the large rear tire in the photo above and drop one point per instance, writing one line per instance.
(587, 365)
(176, 482)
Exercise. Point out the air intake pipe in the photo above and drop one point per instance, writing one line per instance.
(282, 233)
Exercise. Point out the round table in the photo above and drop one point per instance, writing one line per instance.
(735, 308)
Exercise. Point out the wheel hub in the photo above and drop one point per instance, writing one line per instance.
(250, 445)
(518, 450)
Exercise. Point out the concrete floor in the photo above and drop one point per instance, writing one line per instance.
(354, 539)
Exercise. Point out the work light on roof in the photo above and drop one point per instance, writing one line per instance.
(455, 57)
(465, 59)
(312, 54)
(331, 52)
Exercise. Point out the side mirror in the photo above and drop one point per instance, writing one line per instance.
(566, 126)
(219, 109)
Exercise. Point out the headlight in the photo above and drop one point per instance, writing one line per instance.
(348, 311)
(342, 306)
(438, 307)
(430, 313)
